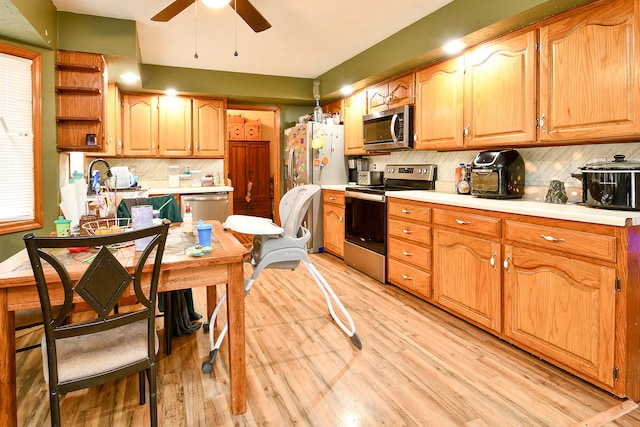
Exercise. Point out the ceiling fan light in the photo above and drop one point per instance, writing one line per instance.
(216, 4)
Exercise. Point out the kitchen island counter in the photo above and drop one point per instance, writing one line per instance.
(571, 212)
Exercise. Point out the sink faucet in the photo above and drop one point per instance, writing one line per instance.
(90, 190)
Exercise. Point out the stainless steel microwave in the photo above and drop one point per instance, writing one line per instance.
(388, 130)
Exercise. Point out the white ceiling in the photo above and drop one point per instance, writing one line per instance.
(307, 38)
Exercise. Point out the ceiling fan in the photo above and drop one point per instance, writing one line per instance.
(244, 8)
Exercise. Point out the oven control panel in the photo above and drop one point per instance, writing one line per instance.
(420, 172)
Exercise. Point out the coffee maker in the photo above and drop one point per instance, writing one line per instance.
(353, 171)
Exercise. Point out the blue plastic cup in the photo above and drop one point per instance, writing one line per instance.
(204, 234)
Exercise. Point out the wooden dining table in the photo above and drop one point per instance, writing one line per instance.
(180, 270)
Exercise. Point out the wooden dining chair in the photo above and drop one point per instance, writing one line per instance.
(101, 346)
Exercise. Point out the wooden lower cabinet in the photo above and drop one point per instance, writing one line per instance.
(565, 291)
(409, 246)
(562, 308)
(466, 277)
(333, 225)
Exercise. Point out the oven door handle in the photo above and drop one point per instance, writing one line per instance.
(365, 196)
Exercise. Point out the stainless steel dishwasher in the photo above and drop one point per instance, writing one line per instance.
(210, 206)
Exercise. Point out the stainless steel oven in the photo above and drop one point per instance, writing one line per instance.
(365, 245)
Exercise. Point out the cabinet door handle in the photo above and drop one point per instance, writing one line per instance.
(405, 277)
(541, 123)
(492, 261)
(405, 231)
(552, 239)
(465, 132)
(505, 264)
(407, 211)
(341, 218)
(405, 253)
(463, 222)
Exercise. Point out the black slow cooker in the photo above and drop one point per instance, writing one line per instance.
(613, 184)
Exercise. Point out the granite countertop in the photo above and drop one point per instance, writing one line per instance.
(154, 191)
(571, 212)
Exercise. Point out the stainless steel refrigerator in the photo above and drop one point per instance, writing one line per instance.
(314, 154)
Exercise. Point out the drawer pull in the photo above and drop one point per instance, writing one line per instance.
(492, 261)
(551, 238)
(463, 222)
(405, 231)
(405, 277)
(405, 253)
(407, 211)
(331, 198)
(505, 264)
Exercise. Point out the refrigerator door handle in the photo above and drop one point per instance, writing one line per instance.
(290, 164)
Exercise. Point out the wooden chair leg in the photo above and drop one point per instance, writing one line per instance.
(168, 313)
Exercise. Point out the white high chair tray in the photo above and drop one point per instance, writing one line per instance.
(247, 224)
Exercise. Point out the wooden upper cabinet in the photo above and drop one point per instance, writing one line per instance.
(140, 125)
(438, 122)
(391, 94)
(334, 107)
(174, 126)
(113, 144)
(81, 98)
(499, 92)
(588, 74)
(355, 107)
(209, 127)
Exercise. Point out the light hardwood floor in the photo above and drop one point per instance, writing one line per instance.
(419, 366)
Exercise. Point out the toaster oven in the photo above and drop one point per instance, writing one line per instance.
(498, 175)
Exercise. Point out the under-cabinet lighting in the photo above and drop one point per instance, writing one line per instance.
(171, 92)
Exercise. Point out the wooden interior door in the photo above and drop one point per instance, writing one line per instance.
(250, 176)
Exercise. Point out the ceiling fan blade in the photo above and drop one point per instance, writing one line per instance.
(172, 10)
(251, 16)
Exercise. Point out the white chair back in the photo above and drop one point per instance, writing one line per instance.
(294, 205)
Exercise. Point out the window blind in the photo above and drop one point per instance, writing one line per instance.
(16, 139)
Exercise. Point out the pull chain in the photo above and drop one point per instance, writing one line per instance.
(235, 9)
(195, 30)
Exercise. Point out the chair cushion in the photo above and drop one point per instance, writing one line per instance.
(99, 353)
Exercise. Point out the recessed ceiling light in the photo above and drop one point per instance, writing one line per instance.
(346, 90)
(129, 77)
(454, 46)
(171, 92)
(216, 4)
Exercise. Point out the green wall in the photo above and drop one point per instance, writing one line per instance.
(12, 243)
(36, 25)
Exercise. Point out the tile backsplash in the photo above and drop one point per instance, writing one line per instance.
(542, 164)
(156, 170)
